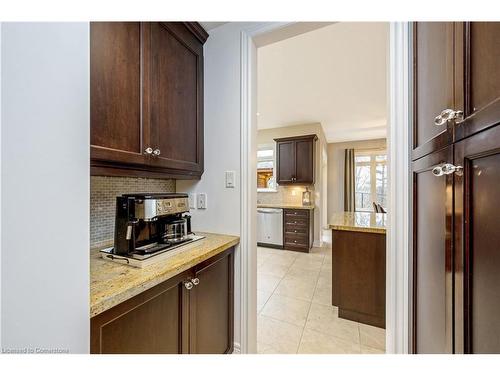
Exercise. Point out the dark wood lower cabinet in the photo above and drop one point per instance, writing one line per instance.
(456, 252)
(477, 243)
(298, 229)
(211, 307)
(358, 276)
(432, 255)
(170, 319)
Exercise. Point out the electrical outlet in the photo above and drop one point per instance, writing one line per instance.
(229, 179)
(192, 200)
(202, 200)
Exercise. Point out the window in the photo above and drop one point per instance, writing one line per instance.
(371, 179)
(266, 180)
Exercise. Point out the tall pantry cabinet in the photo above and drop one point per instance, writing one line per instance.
(456, 187)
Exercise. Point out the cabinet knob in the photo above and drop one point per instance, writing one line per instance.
(448, 115)
(189, 285)
(156, 152)
(295, 231)
(148, 151)
(195, 281)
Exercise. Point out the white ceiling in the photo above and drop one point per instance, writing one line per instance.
(335, 75)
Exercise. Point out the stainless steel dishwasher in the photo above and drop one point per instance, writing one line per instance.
(270, 227)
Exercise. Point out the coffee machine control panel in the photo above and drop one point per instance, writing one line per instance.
(171, 206)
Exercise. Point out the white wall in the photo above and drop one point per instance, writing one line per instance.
(222, 141)
(336, 170)
(45, 186)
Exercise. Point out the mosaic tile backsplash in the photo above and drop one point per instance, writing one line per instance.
(285, 195)
(103, 192)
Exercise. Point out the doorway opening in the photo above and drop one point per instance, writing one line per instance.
(288, 296)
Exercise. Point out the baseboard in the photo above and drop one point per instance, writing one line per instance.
(236, 348)
(317, 243)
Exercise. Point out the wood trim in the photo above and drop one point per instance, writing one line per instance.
(98, 168)
(197, 31)
(313, 137)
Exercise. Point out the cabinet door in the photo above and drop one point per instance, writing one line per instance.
(477, 241)
(285, 161)
(304, 160)
(433, 59)
(175, 89)
(482, 72)
(432, 255)
(212, 306)
(153, 322)
(116, 132)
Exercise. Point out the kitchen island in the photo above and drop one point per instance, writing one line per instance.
(358, 266)
(182, 304)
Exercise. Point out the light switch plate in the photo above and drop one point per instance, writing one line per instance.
(192, 200)
(229, 179)
(202, 200)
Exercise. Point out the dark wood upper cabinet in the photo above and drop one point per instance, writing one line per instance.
(433, 84)
(115, 92)
(432, 255)
(481, 54)
(147, 99)
(295, 160)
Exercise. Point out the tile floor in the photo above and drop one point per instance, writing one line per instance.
(294, 311)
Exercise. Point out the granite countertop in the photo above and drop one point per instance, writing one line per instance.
(285, 205)
(359, 222)
(113, 283)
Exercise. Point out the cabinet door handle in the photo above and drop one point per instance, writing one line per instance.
(195, 281)
(448, 115)
(189, 285)
(446, 168)
(156, 152)
(148, 151)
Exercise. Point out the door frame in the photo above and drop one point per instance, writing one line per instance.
(398, 263)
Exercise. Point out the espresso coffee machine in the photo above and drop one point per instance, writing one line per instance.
(151, 223)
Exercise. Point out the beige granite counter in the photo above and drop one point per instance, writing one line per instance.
(359, 222)
(284, 205)
(112, 283)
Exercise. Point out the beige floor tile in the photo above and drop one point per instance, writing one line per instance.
(297, 287)
(270, 268)
(262, 298)
(287, 309)
(267, 283)
(314, 342)
(262, 251)
(323, 294)
(300, 272)
(308, 264)
(373, 337)
(325, 319)
(324, 250)
(311, 256)
(266, 349)
(368, 350)
(281, 259)
(281, 336)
